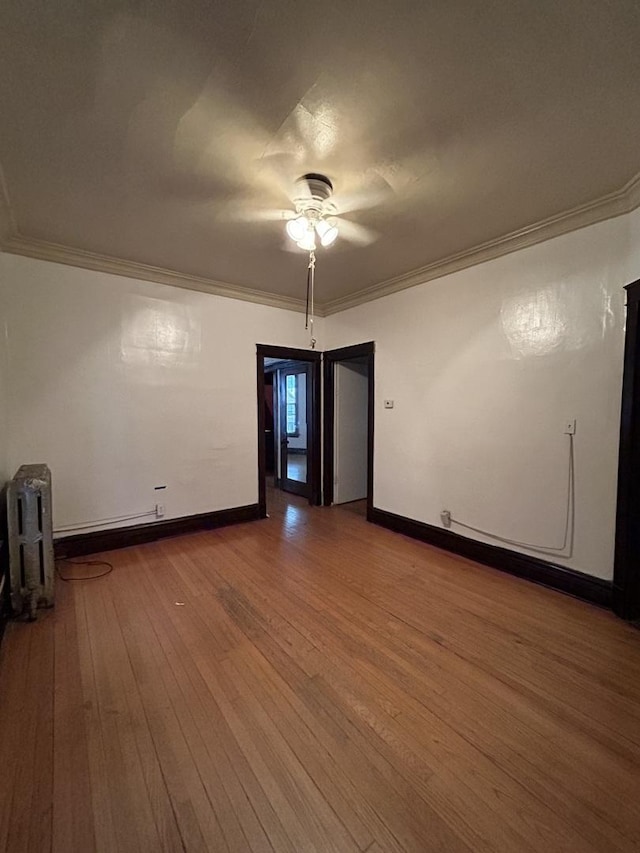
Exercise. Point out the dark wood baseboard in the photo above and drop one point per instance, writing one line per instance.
(122, 537)
(586, 587)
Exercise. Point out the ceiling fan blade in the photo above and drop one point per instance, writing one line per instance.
(278, 174)
(370, 191)
(244, 213)
(355, 233)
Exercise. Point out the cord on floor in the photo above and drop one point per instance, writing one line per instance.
(68, 562)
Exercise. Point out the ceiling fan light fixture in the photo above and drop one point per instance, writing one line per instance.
(297, 228)
(307, 241)
(326, 231)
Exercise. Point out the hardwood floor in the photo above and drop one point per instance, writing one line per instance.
(313, 683)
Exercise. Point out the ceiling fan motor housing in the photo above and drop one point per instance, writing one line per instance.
(315, 190)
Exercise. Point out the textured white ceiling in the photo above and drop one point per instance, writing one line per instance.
(148, 131)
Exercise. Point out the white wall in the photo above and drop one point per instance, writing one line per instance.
(485, 366)
(633, 265)
(122, 385)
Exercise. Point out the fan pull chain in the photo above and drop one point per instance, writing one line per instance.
(306, 316)
(310, 296)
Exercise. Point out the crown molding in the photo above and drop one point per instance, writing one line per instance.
(57, 253)
(614, 204)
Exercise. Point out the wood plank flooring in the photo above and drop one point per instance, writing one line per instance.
(313, 683)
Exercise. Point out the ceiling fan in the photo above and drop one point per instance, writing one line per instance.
(316, 213)
(316, 216)
(315, 219)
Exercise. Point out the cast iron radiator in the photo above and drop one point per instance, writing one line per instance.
(31, 563)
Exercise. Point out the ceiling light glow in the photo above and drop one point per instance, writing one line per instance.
(297, 228)
(308, 241)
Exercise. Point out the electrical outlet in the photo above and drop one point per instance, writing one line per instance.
(570, 427)
(159, 510)
(445, 518)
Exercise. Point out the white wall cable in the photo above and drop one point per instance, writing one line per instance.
(569, 526)
(99, 522)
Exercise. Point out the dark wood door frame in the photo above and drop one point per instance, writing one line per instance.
(313, 437)
(366, 351)
(626, 572)
(275, 370)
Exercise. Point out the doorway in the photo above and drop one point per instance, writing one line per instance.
(288, 422)
(348, 425)
(626, 572)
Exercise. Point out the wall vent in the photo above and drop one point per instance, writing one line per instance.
(31, 562)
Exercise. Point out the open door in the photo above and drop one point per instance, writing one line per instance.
(351, 423)
(295, 421)
(349, 382)
(296, 459)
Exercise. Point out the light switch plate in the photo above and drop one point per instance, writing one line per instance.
(388, 404)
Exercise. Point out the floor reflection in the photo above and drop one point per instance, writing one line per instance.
(297, 467)
(293, 515)
(291, 509)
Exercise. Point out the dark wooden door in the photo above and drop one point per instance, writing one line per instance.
(269, 421)
(626, 574)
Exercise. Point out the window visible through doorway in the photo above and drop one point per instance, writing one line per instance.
(292, 405)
